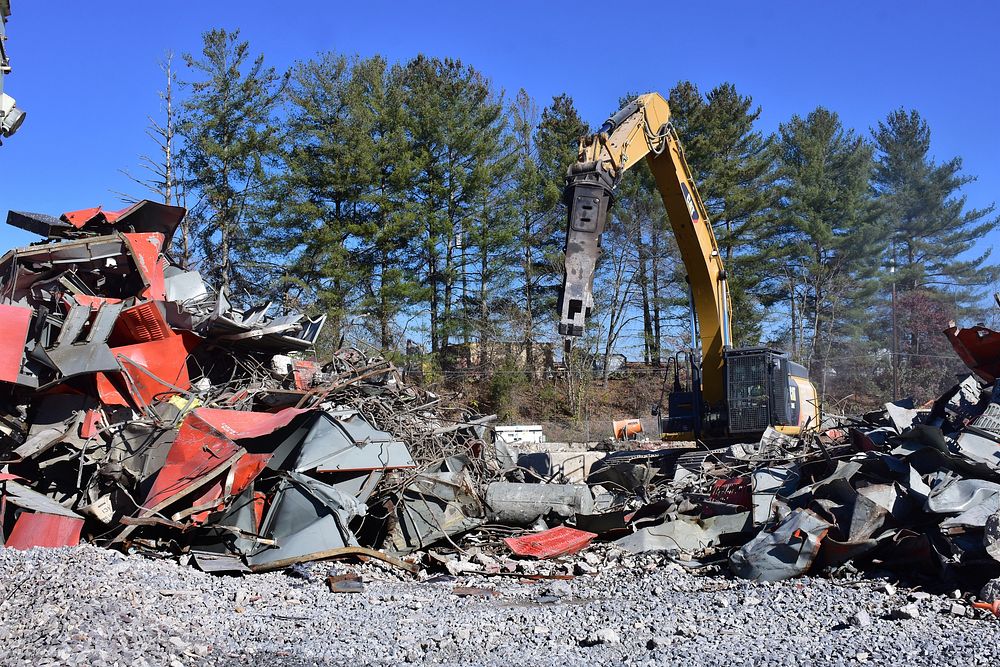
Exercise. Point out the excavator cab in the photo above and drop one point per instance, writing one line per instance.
(762, 390)
(759, 390)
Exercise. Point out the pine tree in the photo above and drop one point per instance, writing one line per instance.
(932, 235)
(384, 226)
(931, 228)
(556, 143)
(456, 122)
(829, 231)
(734, 166)
(318, 191)
(230, 136)
(343, 205)
(526, 191)
(545, 145)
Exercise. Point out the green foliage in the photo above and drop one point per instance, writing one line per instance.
(456, 124)
(416, 196)
(345, 213)
(230, 138)
(504, 385)
(931, 229)
(929, 256)
(734, 166)
(556, 139)
(829, 233)
(544, 148)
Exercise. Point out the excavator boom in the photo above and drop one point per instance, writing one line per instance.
(640, 130)
(734, 393)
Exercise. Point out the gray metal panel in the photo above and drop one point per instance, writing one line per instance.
(348, 442)
(22, 496)
(306, 517)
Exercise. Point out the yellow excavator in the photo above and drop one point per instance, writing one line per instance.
(730, 394)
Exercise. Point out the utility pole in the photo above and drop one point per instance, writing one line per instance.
(895, 340)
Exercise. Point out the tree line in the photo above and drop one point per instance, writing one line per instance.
(418, 206)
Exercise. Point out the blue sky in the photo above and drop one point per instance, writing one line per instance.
(87, 74)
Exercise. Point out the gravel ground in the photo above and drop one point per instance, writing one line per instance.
(90, 606)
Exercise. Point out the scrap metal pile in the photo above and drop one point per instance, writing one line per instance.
(142, 410)
(905, 490)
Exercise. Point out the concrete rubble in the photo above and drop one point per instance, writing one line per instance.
(146, 411)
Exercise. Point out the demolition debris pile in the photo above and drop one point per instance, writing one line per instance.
(911, 491)
(144, 411)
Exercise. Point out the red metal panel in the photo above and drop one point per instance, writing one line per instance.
(259, 501)
(81, 217)
(244, 471)
(140, 323)
(155, 367)
(92, 422)
(145, 248)
(734, 491)
(240, 424)
(979, 348)
(36, 529)
(85, 216)
(198, 451)
(13, 334)
(558, 541)
(303, 372)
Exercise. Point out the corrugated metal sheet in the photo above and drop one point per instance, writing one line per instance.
(558, 541)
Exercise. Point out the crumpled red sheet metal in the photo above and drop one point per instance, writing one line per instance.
(13, 335)
(979, 348)
(238, 424)
(154, 369)
(551, 543)
(85, 216)
(206, 441)
(734, 491)
(198, 453)
(92, 422)
(240, 476)
(145, 248)
(37, 529)
(304, 370)
(220, 428)
(143, 216)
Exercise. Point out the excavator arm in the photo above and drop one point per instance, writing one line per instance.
(639, 130)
